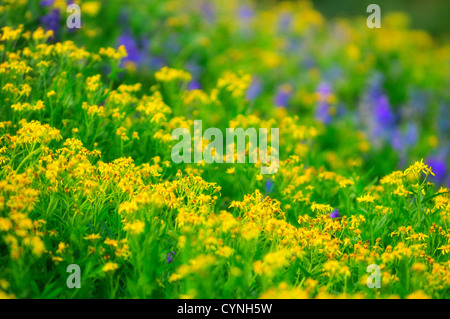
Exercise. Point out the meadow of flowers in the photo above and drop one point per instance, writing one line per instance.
(85, 152)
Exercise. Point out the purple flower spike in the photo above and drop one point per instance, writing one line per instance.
(134, 53)
(439, 167)
(47, 3)
(208, 10)
(51, 20)
(270, 184)
(335, 214)
(283, 95)
(245, 12)
(254, 90)
(169, 257)
(383, 112)
(285, 21)
(194, 85)
(323, 106)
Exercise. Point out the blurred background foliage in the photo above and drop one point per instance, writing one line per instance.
(430, 15)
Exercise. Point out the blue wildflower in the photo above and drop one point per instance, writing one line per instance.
(439, 168)
(134, 53)
(283, 95)
(285, 20)
(194, 85)
(208, 11)
(51, 20)
(254, 89)
(169, 256)
(323, 106)
(269, 185)
(195, 70)
(401, 140)
(245, 12)
(47, 3)
(335, 214)
(376, 114)
(383, 113)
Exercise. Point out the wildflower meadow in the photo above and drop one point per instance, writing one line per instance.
(120, 176)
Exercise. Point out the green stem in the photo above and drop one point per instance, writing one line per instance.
(28, 156)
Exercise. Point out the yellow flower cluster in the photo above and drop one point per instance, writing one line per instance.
(167, 74)
(237, 84)
(128, 211)
(114, 54)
